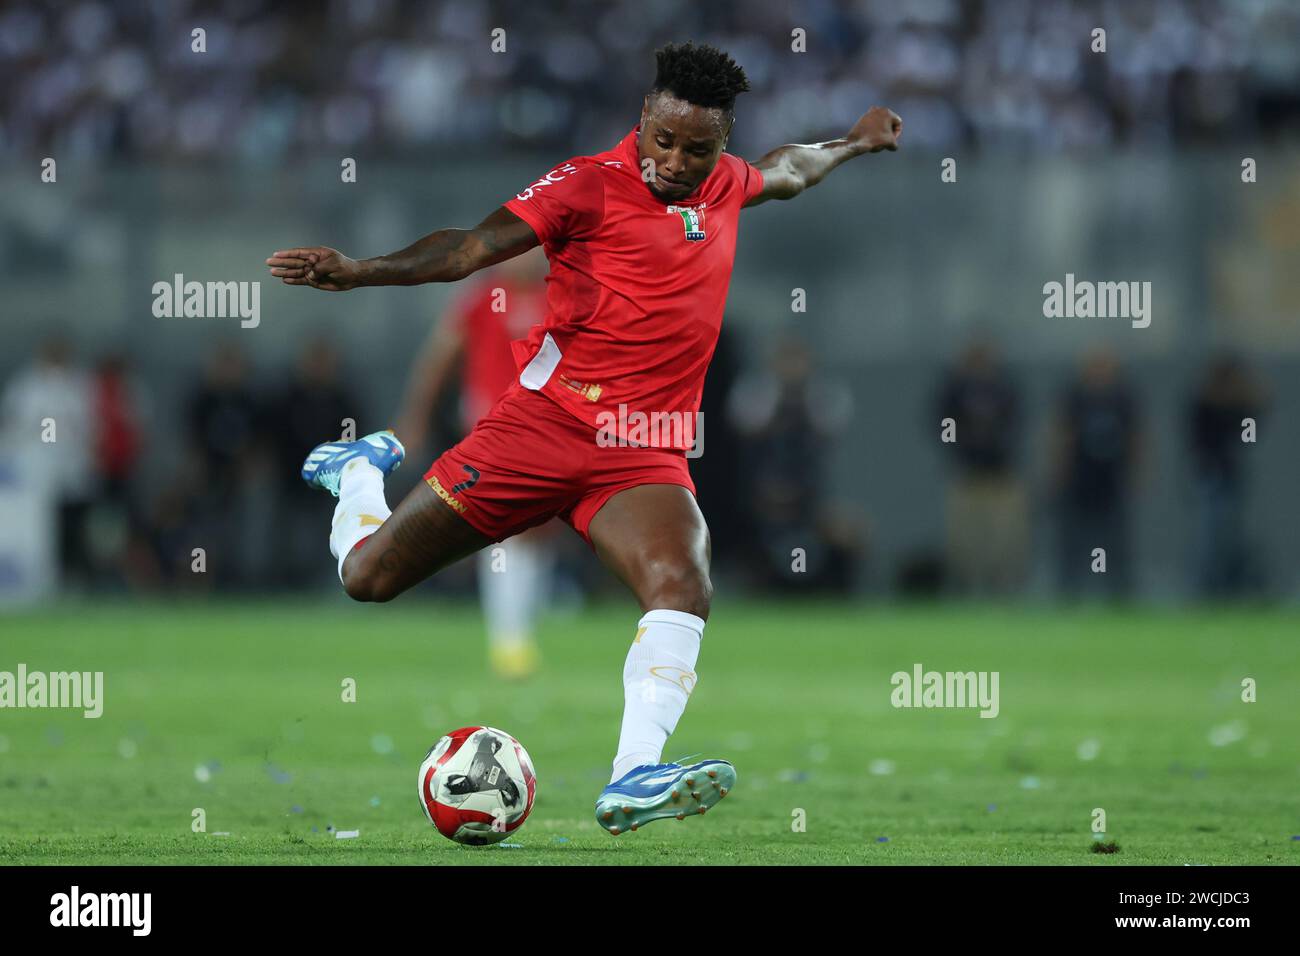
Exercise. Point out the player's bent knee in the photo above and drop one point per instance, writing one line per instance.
(356, 585)
(369, 592)
(681, 589)
(369, 589)
(363, 581)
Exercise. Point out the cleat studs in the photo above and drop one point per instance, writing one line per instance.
(702, 809)
(713, 773)
(627, 810)
(722, 792)
(715, 785)
(681, 816)
(690, 781)
(633, 827)
(676, 796)
(615, 831)
(607, 815)
(695, 794)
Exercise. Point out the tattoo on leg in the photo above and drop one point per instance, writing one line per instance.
(420, 539)
(430, 538)
(420, 543)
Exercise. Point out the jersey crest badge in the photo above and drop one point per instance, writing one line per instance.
(692, 220)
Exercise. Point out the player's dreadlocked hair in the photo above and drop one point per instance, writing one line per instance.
(702, 75)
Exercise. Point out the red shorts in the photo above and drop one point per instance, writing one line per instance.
(528, 460)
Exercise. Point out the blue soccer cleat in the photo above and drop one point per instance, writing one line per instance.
(658, 791)
(324, 466)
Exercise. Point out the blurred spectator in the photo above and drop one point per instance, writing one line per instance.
(1096, 447)
(226, 422)
(987, 518)
(805, 540)
(223, 418)
(1229, 394)
(119, 421)
(46, 415)
(119, 415)
(312, 408)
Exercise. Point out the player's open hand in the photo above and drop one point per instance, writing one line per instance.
(317, 266)
(878, 129)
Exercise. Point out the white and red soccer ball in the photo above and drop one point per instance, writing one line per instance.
(477, 785)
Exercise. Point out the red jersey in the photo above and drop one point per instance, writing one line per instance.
(636, 288)
(487, 322)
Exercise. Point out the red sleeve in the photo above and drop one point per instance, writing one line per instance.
(566, 203)
(751, 180)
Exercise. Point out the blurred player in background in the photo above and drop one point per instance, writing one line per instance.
(475, 334)
(641, 240)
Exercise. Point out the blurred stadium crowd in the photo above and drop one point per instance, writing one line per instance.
(99, 78)
(768, 433)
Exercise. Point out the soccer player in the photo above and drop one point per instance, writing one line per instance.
(475, 334)
(641, 240)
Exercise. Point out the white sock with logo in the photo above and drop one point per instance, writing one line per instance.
(361, 508)
(658, 677)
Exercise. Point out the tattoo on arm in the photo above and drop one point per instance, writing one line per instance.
(789, 170)
(452, 254)
(439, 257)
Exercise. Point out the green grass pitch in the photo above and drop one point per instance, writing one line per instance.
(1138, 713)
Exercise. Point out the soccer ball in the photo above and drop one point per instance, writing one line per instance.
(477, 785)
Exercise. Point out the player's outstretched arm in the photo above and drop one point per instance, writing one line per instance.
(789, 170)
(443, 256)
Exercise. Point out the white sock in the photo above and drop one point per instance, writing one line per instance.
(657, 681)
(361, 508)
(512, 586)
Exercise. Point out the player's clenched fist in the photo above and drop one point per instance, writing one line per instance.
(318, 266)
(878, 129)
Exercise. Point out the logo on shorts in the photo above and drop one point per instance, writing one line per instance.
(587, 390)
(692, 220)
(469, 482)
(442, 493)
